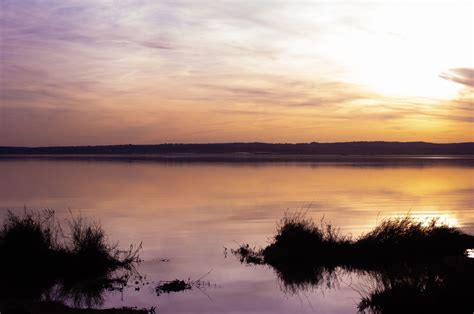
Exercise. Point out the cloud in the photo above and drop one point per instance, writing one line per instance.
(85, 71)
(464, 76)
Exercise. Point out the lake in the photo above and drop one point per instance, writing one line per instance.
(188, 215)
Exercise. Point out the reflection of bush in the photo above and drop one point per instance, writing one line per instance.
(436, 288)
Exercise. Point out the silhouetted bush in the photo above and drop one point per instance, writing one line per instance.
(406, 237)
(29, 234)
(91, 253)
(299, 241)
(298, 238)
(37, 242)
(37, 259)
(419, 266)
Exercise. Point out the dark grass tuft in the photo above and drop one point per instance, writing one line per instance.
(300, 241)
(37, 244)
(299, 238)
(38, 258)
(405, 237)
(91, 253)
(29, 235)
(419, 267)
(248, 255)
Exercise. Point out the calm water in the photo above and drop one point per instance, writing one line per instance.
(188, 213)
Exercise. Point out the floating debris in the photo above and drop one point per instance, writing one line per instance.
(172, 286)
(178, 285)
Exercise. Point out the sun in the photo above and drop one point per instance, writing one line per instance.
(404, 48)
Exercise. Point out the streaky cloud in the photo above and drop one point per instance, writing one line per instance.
(464, 76)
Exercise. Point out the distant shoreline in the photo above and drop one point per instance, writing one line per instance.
(255, 150)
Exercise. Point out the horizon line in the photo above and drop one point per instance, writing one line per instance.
(243, 142)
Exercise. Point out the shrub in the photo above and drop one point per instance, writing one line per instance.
(36, 257)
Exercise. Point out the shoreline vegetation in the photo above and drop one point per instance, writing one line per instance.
(412, 266)
(45, 268)
(415, 266)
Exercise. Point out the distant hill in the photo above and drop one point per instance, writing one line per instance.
(346, 148)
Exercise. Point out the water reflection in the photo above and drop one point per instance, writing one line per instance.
(438, 287)
(414, 267)
(433, 288)
(187, 213)
(28, 293)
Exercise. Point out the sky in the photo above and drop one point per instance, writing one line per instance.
(88, 72)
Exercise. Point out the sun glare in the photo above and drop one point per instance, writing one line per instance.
(405, 58)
